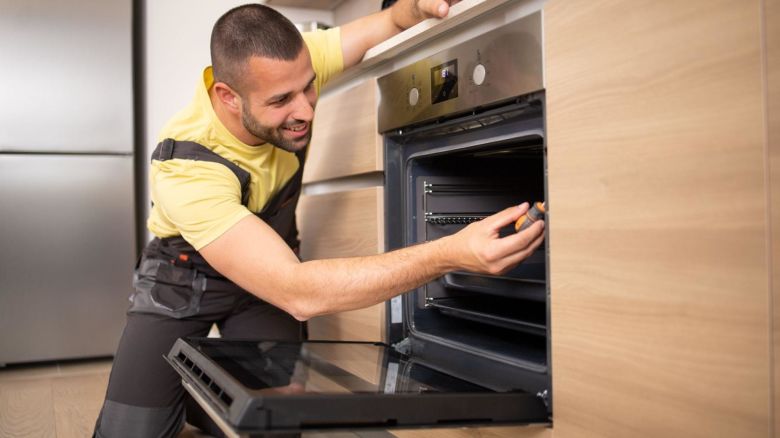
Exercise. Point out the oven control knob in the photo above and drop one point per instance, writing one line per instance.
(414, 96)
(478, 75)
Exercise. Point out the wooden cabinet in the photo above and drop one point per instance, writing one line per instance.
(345, 140)
(344, 224)
(772, 51)
(659, 218)
(346, 216)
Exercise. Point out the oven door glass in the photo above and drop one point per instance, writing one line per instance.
(255, 387)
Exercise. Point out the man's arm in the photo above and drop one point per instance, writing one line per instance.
(253, 256)
(364, 33)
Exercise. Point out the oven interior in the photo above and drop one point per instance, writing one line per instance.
(456, 172)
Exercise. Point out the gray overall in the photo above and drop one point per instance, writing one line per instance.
(178, 294)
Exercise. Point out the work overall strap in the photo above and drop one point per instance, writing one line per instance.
(278, 213)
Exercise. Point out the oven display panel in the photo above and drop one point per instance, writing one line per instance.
(444, 81)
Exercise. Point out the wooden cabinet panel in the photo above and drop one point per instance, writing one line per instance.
(345, 140)
(344, 224)
(772, 52)
(658, 258)
(355, 325)
(362, 361)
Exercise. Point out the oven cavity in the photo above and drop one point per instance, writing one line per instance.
(502, 315)
(453, 173)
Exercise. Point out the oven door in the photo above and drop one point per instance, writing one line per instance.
(257, 387)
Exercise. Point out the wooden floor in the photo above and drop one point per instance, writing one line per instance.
(55, 400)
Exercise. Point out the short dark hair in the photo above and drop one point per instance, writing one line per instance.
(251, 30)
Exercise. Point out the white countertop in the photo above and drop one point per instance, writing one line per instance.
(459, 13)
(465, 20)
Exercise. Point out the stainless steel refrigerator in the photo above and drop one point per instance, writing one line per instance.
(67, 213)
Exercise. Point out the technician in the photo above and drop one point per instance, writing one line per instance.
(225, 180)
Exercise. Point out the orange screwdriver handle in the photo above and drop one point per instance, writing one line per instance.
(537, 211)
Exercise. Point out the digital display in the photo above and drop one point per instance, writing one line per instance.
(444, 81)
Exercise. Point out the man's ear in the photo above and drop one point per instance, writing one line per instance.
(229, 97)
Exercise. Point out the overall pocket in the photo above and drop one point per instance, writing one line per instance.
(163, 288)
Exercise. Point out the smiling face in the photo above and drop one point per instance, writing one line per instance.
(277, 101)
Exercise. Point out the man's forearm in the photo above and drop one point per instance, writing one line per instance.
(327, 286)
(253, 256)
(335, 285)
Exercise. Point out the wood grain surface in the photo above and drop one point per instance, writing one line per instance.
(78, 419)
(26, 409)
(345, 140)
(772, 52)
(61, 401)
(657, 223)
(482, 432)
(344, 224)
(362, 361)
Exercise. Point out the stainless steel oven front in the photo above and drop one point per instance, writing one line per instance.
(464, 138)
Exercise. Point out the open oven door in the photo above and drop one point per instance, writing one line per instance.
(259, 387)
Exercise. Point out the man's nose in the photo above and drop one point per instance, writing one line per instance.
(303, 109)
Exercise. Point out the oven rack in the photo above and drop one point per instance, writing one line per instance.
(494, 312)
(467, 189)
(516, 288)
(454, 218)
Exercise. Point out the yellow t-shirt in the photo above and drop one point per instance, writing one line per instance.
(200, 200)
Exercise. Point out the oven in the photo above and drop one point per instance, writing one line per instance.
(464, 138)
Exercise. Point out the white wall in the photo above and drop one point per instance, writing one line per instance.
(177, 50)
(352, 9)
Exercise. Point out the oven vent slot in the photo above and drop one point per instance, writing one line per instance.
(521, 107)
(224, 400)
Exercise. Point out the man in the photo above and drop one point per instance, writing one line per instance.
(224, 182)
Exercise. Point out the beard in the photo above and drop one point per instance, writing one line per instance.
(273, 135)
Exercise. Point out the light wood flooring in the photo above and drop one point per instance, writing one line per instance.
(55, 400)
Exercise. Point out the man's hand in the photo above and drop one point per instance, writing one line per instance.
(407, 13)
(478, 248)
(366, 32)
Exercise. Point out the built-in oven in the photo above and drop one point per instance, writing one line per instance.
(464, 138)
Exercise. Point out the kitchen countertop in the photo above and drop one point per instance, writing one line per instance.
(417, 42)
(459, 13)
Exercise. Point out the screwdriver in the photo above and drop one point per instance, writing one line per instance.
(536, 212)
